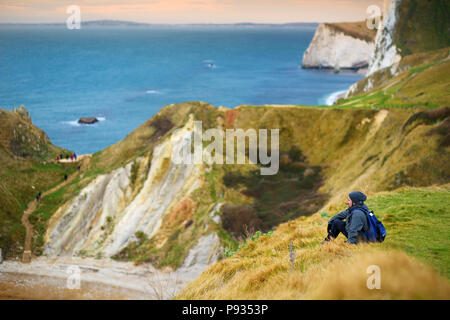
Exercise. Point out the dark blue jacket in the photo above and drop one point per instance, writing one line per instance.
(356, 223)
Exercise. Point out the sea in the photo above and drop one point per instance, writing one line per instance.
(124, 75)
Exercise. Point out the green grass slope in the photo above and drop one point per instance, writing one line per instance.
(423, 80)
(422, 26)
(27, 167)
(418, 220)
(324, 153)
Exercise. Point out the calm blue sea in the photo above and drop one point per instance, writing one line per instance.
(125, 75)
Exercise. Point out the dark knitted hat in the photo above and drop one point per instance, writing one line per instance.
(357, 197)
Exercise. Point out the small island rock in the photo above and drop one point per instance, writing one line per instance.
(90, 120)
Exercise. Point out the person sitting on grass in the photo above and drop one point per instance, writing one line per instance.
(356, 221)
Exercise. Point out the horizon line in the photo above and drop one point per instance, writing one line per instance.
(130, 22)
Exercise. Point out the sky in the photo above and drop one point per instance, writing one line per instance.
(189, 11)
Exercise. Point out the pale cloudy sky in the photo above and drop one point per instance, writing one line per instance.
(189, 11)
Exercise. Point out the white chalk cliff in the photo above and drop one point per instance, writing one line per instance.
(105, 216)
(332, 48)
(386, 52)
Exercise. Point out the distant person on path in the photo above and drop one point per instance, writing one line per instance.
(356, 222)
(65, 176)
(38, 196)
(78, 168)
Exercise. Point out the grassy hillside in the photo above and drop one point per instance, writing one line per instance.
(27, 167)
(390, 140)
(325, 153)
(416, 220)
(422, 26)
(357, 30)
(373, 150)
(422, 38)
(423, 80)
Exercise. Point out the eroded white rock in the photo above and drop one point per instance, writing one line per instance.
(104, 218)
(386, 52)
(205, 253)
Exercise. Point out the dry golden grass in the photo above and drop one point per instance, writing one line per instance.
(401, 278)
(335, 270)
(423, 79)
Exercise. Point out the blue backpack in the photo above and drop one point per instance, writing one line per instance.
(377, 231)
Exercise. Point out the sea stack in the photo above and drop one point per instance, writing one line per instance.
(90, 120)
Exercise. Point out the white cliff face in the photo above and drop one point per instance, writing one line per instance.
(104, 217)
(334, 49)
(386, 52)
(78, 226)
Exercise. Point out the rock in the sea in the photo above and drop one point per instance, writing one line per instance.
(90, 120)
(340, 46)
